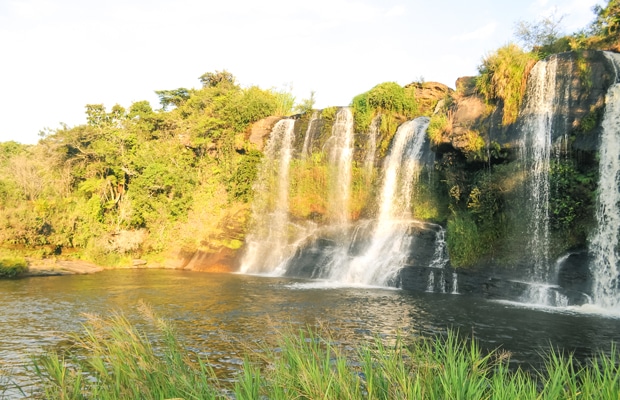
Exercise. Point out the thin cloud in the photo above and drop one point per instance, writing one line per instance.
(32, 9)
(576, 14)
(481, 33)
(396, 11)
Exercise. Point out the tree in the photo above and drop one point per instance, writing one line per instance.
(217, 78)
(541, 33)
(607, 22)
(175, 97)
(306, 105)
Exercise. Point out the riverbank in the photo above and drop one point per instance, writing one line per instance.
(30, 267)
(60, 267)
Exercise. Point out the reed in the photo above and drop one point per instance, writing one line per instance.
(112, 359)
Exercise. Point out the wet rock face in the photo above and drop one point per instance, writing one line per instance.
(585, 76)
(573, 272)
(573, 281)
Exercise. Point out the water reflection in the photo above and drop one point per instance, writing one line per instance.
(220, 316)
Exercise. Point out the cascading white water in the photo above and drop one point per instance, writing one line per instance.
(341, 158)
(455, 283)
(430, 283)
(440, 256)
(307, 147)
(538, 114)
(604, 243)
(267, 245)
(373, 132)
(386, 253)
(440, 261)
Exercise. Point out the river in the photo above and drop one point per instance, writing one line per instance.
(216, 312)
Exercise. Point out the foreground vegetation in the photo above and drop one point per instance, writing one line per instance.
(113, 359)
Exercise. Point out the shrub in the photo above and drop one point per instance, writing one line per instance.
(12, 266)
(464, 241)
(502, 78)
(386, 98)
(439, 125)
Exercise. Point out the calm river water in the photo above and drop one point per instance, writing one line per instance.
(214, 312)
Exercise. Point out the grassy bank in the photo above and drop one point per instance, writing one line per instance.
(113, 359)
(12, 265)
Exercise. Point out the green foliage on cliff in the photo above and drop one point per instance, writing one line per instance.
(133, 181)
(502, 79)
(573, 200)
(604, 31)
(438, 127)
(393, 102)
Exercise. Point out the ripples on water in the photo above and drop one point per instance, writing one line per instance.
(221, 316)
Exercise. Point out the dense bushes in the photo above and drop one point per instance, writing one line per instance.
(387, 99)
(135, 170)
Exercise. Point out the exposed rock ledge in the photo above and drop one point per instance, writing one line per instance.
(54, 268)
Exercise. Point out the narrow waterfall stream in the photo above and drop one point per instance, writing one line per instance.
(604, 243)
(538, 115)
(542, 105)
(306, 149)
(267, 245)
(388, 248)
(340, 150)
(371, 150)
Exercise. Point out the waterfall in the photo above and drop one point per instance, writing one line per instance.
(307, 147)
(341, 158)
(542, 120)
(387, 251)
(267, 245)
(440, 256)
(604, 243)
(538, 117)
(455, 283)
(373, 133)
(430, 283)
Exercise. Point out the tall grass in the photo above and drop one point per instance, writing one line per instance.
(503, 75)
(112, 359)
(11, 266)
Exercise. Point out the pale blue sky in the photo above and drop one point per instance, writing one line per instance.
(56, 56)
